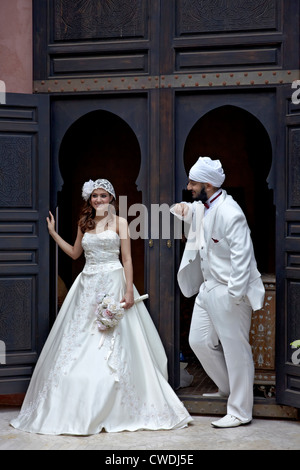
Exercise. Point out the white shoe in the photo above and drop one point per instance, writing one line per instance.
(229, 421)
(215, 395)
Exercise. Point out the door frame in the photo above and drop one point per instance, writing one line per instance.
(288, 274)
(189, 108)
(138, 110)
(24, 242)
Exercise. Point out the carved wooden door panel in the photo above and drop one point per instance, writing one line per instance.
(24, 239)
(288, 248)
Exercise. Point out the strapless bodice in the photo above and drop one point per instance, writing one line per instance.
(101, 250)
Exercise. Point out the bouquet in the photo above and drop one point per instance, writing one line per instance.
(108, 312)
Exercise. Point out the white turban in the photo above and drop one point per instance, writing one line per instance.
(206, 170)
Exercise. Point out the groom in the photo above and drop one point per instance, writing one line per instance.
(219, 266)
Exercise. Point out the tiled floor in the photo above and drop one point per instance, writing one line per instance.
(261, 434)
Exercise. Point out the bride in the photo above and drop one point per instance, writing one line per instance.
(89, 378)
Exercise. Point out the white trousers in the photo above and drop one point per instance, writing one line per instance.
(219, 336)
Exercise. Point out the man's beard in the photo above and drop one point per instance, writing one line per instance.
(202, 196)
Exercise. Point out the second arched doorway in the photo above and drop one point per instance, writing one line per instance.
(241, 142)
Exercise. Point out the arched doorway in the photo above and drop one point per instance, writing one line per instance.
(98, 145)
(241, 142)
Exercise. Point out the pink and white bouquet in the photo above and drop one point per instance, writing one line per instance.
(108, 312)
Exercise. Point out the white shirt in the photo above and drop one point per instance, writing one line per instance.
(212, 201)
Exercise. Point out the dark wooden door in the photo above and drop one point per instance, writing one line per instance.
(24, 239)
(288, 248)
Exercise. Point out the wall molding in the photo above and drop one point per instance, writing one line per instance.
(177, 81)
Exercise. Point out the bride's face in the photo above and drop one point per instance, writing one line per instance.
(100, 200)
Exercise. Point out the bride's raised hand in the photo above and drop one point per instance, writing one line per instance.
(51, 223)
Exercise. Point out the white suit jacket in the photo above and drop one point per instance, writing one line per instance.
(229, 252)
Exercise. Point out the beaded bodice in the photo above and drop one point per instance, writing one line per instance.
(100, 250)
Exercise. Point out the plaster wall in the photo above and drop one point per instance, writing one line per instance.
(16, 45)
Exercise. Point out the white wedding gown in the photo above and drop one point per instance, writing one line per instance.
(80, 388)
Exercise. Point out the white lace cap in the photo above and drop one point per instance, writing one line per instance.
(91, 185)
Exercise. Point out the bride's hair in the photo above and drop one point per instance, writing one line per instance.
(87, 216)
